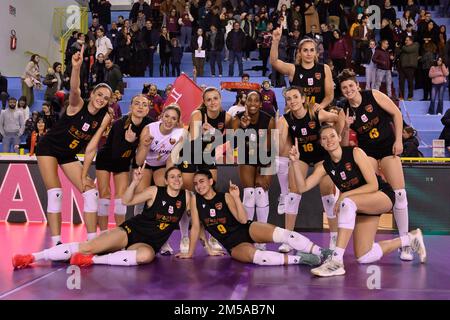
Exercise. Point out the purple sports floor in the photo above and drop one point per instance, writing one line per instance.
(217, 278)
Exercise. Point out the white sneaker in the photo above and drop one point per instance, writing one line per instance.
(260, 246)
(406, 254)
(281, 208)
(214, 244)
(166, 249)
(184, 245)
(417, 244)
(329, 268)
(284, 248)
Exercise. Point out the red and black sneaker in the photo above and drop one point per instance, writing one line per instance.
(20, 261)
(81, 260)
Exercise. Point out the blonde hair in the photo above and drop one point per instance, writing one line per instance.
(298, 58)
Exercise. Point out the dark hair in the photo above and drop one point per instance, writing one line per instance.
(209, 89)
(166, 174)
(46, 103)
(12, 98)
(22, 98)
(204, 172)
(294, 88)
(346, 74)
(410, 130)
(245, 75)
(56, 65)
(173, 107)
(324, 127)
(239, 97)
(33, 57)
(36, 122)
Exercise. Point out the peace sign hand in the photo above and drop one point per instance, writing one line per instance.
(349, 119)
(294, 154)
(234, 190)
(245, 120)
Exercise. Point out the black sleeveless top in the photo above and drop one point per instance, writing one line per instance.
(71, 134)
(306, 130)
(373, 125)
(346, 174)
(312, 81)
(216, 217)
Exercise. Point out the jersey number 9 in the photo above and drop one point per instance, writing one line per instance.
(221, 229)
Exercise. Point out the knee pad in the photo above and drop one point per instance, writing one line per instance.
(90, 198)
(54, 200)
(401, 201)
(119, 208)
(103, 207)
(268, 258)
(282, 165)
(261, 198)
(347, 214)
(249, 197)
(374, 254)
(292, 203)
(328, 203)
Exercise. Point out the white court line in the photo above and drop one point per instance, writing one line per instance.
(8, 293)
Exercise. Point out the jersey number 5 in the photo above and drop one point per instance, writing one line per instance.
(74, 144)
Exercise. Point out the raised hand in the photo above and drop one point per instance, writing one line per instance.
(130, 135)
(245, 120)
(276, 34)
(294, 154)
(137, 174)
(234, 190)
(349, 119)
(146, 139)
(77, 58)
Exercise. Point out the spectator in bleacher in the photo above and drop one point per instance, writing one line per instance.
(114, 105)
(3, 90)
(370, 66)
(280, 18)
(249, 28)
(426, 3)
(359, 8)
(199, 46)
(277, 78)
(22, 106)
(315, 34)
(31, 78)
(49, 116)
(386, 33)
(113, 35)
(138, 6)
(235, 43)
(412, 8)
(164, 51)
(113, 76)
(269, 99)
(327, 36)
(442, 39)
(172, 24)
(212, 18)
(33, 139)
(185, 22)
(12, 126)
(410, 32)
(176, 54)
(103, 43)
(287, 3)
(407, 66)
(52, 84)
(120, 22)
(383, 61)
(215, 42)
(57, 66)
(312, 17)
(335, 12)
(151, 39)
(239, 104)
(445, 134)
(264, 44)
(427, 58)
(92, 32)
(362, 36)
(125, 51)
(104, 13)
(407, 18)
(339, 51)
(98, 70)
(388, 12)
(156, 101)
(427, 28)
(431, 31)
(397, 33)
(410, 143)
(293, 42)
(295, 15)
(30, 124)
(438, 74)
(68, 53)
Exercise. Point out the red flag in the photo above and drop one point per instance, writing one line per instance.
(187, 95)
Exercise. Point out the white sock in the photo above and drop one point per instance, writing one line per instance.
(293, 259)
(55, 240)
(406, 241)
(57, 253)
(280, 235)
(338, 254)
(91, 235)
(316, 249)
(184, 225)
(401, 211)
(282, 174)
(333, 239)
(118, 258)
(262, 212)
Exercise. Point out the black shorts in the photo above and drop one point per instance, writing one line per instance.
(186, 167)
(111, 165)
(154, 168)
(378, 152)
(136, 234)
(46, 150)
(239, 236)
(311, 160)
(387, 190)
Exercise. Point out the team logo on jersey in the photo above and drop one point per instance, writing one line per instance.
(318, 75)
(369, 108)
(364, 118)
(170, 210)
(164, 203)
(294, 127)
(304, 131)
(310, 81)
(312, 124)
(178, 204)
(94, 124)
(172, 141)
(343, 175)
(212, 212)
(301, 76)
(348, 166)
(85, 127)
(220, 125)
(203, 205)
(219, 206)
(333, 172)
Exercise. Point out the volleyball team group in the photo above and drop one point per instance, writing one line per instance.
(169, 190)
